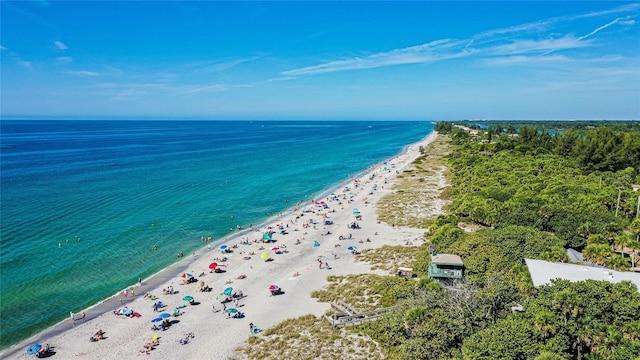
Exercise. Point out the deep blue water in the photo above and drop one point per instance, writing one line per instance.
(124, 186)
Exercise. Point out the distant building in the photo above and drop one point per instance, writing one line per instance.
(446, 266)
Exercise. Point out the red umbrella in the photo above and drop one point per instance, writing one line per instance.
(275, 248)
(273, 287)
(213, 265)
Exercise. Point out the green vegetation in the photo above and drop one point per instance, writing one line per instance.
(525, 196)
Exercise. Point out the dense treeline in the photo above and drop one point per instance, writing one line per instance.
(528, 196)
(593, 148)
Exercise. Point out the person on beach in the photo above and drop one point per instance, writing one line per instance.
(139, 281)
(73, 318)
(251, 328)
(83, 316)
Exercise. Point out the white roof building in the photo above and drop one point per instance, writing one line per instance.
(542, 272)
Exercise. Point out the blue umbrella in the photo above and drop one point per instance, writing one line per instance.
(164, 316)
(223, 247)
(351, 248)
(33, 349)
(187, 298)
(232, 310)
(227, 291)
(156, 319)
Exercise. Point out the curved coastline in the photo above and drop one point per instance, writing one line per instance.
(172, 271)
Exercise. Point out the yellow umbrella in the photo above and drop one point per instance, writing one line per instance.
(264, 255)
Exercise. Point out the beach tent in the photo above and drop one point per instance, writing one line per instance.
(267, 236)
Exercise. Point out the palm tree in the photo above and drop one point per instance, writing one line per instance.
(634, 227)
(621, 242)
(618, 262)
(597, 253)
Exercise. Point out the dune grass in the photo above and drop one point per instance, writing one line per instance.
(389, 258)
(308, 337)
(416, 199)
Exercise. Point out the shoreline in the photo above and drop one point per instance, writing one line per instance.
(169, 274)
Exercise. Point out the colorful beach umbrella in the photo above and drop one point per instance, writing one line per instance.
(223, 247)
(264, 255)
(275, 248)
(33, 349)
(186, 275)
(227, 291)
(273, 287)
(351, 248)
(213, 265)
(164, 315)
(188, 298)
(156, 320)
(232, 310)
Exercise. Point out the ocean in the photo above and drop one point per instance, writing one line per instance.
(83, 202)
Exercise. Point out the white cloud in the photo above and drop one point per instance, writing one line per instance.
(521, 46)
(519, 59)
(3, 48)
(429, 52)
(604, 27)
(523, 39)
(84, 73)
(60, 45)
(213, 88)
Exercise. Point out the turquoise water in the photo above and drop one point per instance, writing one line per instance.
(121, 187)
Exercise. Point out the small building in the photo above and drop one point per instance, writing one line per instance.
(446, 266)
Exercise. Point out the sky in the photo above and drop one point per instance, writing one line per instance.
(345, 60)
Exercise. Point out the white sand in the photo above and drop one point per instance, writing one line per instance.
(215, 335)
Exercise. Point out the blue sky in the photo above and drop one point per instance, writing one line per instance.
(320, 60)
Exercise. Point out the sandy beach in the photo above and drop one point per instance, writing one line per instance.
(295, 268)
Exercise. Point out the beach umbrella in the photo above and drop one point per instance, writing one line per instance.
(232, 310)
(200, 283)
(33, 349)
(223, 247)
(264, 255)
(156, 320)
(267, 236)
(213, 265)
(356, 212)
(186, 275)
(273, 287)
(275, 248)
(188, 298)
(351, 248)
(164, 315)
(227, 291)
(316, 244)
